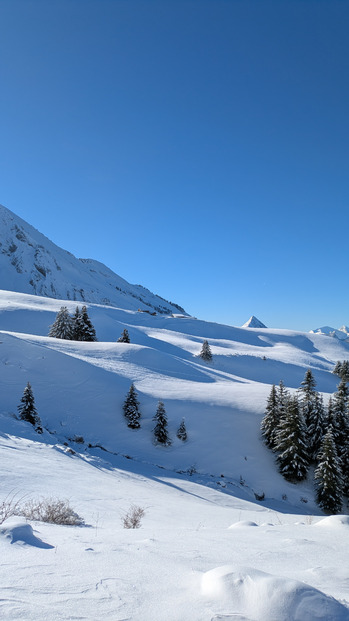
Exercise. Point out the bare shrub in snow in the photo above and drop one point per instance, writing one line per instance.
(51, 510)
(133, 517)
(9, 506)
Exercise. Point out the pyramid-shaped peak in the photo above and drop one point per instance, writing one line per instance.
(253, 322)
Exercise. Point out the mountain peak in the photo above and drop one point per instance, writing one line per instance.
(31, 263)
(253, 322)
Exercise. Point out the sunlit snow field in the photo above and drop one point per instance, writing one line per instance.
(206, 549)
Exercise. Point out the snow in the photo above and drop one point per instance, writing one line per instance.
(206, 548)
(253, 322)
(341, 333)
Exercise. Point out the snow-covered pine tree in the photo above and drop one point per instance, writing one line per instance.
(205, 352)
(62, 327)
(344, 372)
(87, 331)
(328, 476)
(131, 408)
(291, 443)
(313, 412)
(77, 325)
(182, 431)
(27, 410)
(160, 430)
(125, 337)
(337, 369)
(316, 428)
(340, 404)
(270, 422)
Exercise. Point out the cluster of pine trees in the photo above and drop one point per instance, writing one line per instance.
(160, 431)
(303, 433)
(77, 327)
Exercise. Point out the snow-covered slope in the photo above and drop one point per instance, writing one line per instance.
(206, 548)
(199, 554)
(80, 387)
(31, 263)
(253, 322)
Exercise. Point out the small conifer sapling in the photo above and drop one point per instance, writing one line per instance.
(160, 430)
(182, 431)
(125, 337)
(27, 410)
(131, 409)
(205, 352)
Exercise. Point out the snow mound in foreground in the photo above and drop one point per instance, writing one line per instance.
(243, 523)
(16, 530)
(264, 597)
(334, 521)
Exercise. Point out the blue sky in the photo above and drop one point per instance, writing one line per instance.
(199, 148)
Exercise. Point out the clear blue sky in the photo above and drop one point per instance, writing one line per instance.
(200, 148)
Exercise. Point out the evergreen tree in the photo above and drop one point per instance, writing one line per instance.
(340, 415)
(87, 331)
(345, 468)
(316, 428)
(62, 327)
(337, 368)
(205, 352)
(182, 431)
(291, 443)
(77, 325)
(270, 422)
(328, 476)
(131, 408)
(344, 372)
(160, 430)
(125, 337)
(27, 410)
(283, 397)
(313, 412)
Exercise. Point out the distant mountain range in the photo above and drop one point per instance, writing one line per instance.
(31, 263)
(341, 333)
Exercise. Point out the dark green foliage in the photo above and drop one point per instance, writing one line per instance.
(291, 444)
(283, 398)
(182, 431)
(77, 325)
(271, 419)
(313, 412)
(160, 430)
(328, 476)
(27, 410)
(342, 370)
(86, 329)
(125, 337)
(340, 415)
(131, 409)
(62, 328)
(205, 352)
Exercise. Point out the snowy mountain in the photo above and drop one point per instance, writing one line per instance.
(341, 334)
(223, 535)
(31, 263)
(253, 322)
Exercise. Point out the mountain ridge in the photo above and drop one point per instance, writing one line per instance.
(31, 263)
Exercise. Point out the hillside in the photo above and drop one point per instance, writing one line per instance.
(31, 263)
(80, 387)
(205, 549)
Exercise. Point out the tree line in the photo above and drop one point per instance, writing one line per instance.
(27, 411)
(304, 433)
